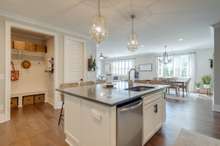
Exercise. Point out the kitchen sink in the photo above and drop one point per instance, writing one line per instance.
(140, 88)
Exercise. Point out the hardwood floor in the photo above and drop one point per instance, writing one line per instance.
(34, 125)
(37, 125)
(194, 114)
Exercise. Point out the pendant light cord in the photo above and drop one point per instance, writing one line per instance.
(165, 48)
(99, 8)
(132, 23)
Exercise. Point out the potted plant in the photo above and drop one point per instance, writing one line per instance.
(198, 86)
(206, 80)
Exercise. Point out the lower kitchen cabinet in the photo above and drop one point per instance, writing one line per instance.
(153, 115)
(88, 123)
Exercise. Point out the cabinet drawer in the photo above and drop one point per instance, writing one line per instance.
(27, 100)
(39, 98)
(153, 97)
(14, 102)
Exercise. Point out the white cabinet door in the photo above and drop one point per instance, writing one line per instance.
(95, 121)
(73, 60)
(89, 124)
(72, 120)
(153, 116)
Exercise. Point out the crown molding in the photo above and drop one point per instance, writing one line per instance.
(22, 19)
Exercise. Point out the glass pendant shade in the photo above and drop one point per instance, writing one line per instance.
(98, 30)
(133, 43)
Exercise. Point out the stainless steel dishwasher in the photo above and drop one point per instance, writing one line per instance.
(129, 123)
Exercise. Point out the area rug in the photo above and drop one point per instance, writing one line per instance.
(188, 138)
(191, 96)
(177, 98)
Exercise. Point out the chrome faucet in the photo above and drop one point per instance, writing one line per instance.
(130, 83)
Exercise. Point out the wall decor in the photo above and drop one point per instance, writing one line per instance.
(50, 65)
(146, 67)
(91, 64)
(211, 63)
(26, 64)
(14, 73)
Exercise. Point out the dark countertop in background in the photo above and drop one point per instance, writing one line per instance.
(109, 96)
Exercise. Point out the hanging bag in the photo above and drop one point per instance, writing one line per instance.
(14, 73)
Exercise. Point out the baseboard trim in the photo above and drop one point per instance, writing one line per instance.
(2, 118)
(71, 140)
(56, 105)
(50, 101)
(216, 108)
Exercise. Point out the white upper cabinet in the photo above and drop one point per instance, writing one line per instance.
(74, 60)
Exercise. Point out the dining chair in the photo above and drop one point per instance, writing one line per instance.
(63, 86)
(173, 85)
(185, 86)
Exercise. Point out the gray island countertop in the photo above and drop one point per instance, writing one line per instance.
(110, 96)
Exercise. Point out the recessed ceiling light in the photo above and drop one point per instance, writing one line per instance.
(180, 39)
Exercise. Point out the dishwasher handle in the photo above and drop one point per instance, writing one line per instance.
(131, 106)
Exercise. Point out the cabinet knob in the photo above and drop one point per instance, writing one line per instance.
(155, 108)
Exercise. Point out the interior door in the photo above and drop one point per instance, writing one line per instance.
(73, 60)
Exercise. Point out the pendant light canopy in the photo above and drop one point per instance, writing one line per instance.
(98, 29)
(133, 43)
(165, 58)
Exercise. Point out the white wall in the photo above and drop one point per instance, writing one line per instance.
(202, 63)
(2, 65)
(60, 34)
(139, 59)
(91, 51)
(50, 77)
(30, 80)
(216, 102)
(151, 59)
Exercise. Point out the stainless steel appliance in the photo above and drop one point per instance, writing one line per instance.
(129, 123)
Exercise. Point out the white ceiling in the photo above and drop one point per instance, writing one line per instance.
(158, 22)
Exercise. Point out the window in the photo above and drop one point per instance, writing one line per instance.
(121, 67)
(180, 66)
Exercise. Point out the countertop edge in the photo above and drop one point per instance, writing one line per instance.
(107, 104)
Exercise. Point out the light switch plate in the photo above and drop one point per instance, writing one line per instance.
(2, 76)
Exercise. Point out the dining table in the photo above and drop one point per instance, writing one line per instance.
(181, 83)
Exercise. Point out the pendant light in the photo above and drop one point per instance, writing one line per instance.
(101, 56)
(133, 43)
(98, 29)
(165, 58)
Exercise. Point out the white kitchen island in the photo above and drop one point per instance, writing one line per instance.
(90, 117)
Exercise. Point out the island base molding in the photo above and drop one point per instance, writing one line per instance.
(71, 140)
